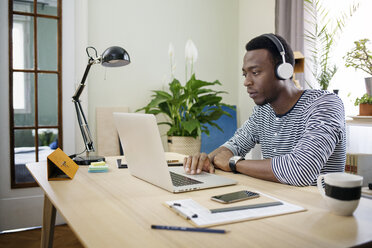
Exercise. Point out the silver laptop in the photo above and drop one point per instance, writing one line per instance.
(143, 150)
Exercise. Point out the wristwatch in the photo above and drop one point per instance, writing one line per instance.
(232, 162)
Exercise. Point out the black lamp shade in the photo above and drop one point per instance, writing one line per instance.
(115, 56)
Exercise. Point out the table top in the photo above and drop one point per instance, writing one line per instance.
(115, 209)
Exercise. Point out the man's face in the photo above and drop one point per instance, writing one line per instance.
(260, 79)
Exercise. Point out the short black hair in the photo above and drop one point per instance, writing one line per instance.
(263, 42)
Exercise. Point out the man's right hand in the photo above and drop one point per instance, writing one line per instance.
(197, 163)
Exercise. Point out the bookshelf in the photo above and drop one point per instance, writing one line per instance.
(359, 147)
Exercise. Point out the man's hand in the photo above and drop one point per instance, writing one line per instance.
(198, 163)
(221, 159)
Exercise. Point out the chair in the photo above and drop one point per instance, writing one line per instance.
(216, 138)
(107, 135)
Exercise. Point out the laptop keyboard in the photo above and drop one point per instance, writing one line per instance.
(179, 180)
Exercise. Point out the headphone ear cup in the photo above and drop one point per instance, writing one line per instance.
(284, 71)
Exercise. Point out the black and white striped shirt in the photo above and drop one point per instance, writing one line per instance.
(308, 140)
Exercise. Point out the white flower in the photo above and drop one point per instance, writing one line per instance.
(191, 53)
(171, 52)
(173, 69)
(172, 59)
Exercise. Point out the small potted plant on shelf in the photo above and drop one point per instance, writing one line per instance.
(361, 58)
(187, 108)
(365, 105)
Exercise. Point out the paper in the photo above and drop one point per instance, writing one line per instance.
(201, 216)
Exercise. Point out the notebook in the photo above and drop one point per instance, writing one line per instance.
(143, 149)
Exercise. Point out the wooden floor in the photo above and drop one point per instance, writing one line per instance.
(63, 237)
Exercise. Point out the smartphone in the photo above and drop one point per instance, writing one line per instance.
(235, 196)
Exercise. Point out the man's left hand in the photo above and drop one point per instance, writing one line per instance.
(221, 160)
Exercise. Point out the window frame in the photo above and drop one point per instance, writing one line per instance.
(36, 72)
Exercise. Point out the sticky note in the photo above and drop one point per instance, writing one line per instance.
(98, 163)
(98, 168)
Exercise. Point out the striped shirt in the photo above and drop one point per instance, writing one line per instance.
(308, 140)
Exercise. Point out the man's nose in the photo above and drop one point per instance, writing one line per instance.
(247, 81)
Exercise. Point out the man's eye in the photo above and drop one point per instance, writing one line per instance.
(244, 74)
(255, 72)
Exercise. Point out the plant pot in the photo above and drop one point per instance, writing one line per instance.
(184, 145)
(365, 109)
(368, 82)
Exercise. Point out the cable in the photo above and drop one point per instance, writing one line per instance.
(77, 154)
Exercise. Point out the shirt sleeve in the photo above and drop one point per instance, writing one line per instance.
(245, 137)
(324, 129)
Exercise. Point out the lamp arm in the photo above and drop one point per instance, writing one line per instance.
(80, 89)
(83, 124)
(84, 128)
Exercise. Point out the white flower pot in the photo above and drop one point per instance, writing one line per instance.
(368, 82)
(184, 145)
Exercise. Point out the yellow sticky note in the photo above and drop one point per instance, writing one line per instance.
(101, 163)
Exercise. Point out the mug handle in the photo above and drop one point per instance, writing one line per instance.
(320, 185)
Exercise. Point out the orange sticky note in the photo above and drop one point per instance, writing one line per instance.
(61, 166)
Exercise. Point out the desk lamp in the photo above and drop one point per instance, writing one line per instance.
(112, 57)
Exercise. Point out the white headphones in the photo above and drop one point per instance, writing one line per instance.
(283, 70)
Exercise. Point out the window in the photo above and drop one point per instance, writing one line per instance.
(35, 90)
(20, 90)
(348, 81)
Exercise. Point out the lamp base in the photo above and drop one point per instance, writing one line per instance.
(87, 160)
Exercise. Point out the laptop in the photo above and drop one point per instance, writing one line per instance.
(143, 149)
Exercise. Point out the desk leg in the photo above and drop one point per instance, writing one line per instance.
(49, 219)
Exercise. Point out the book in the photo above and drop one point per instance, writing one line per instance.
(351, 165)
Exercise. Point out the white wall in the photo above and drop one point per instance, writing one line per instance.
(80, 58)
(255, 18)
(23, 207)
(145, 28)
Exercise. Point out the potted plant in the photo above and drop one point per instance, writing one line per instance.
(365, 105)
(361, 58)
(187, 108)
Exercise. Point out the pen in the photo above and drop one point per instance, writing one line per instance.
(188, 229)
(260, 205)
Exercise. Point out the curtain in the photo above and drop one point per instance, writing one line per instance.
(289, 23)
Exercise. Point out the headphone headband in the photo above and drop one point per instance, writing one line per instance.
(276, 42)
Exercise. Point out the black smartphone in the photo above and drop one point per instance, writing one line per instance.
(235, 196)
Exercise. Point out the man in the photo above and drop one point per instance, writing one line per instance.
(302, 132)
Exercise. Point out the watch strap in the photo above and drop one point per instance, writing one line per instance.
(232, 163)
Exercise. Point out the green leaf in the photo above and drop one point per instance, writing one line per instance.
(165, 123)
(190, 125)
(364, 99)
(175, 87)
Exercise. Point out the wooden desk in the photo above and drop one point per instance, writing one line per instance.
(115, 209)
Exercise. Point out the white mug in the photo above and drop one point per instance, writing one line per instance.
(342, 191)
